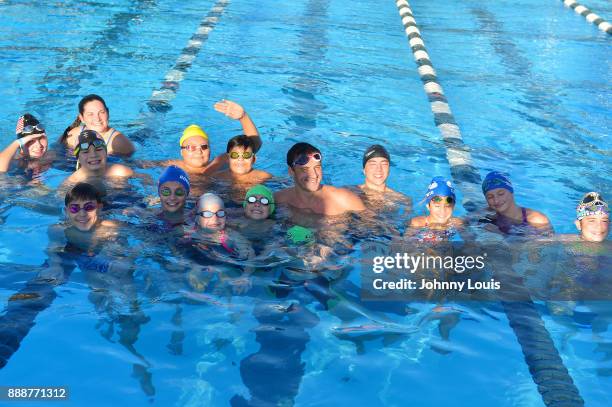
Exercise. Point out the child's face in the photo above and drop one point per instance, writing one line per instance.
(441, 208)
(500, 199)
(172, 196)
(594, 228)
(238, 164)
(83, 214)
(257, 210)
(209, 219)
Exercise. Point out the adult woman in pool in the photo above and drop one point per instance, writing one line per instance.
(509, 217)
(94, 115)
(29, 150)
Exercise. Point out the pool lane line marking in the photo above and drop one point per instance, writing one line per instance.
(160, 98)
(458, 154)
(528, 330)
(591, 17)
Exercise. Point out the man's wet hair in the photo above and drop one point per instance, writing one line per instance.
(240, 141)
(83, 192)
(299, 149)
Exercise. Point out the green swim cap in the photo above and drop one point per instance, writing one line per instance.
(300, 235)
(260, 190)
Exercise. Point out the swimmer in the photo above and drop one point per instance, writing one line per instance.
(259, 203)
(173, 188)
(91, 155)
(304, 161)
(509, 217)
(195, 144)
(593, 218)
(240, 151)
(94, 115)
(29, 150)
(376, 165)
(440, 224)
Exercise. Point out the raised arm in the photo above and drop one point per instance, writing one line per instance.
(234, 111)
(7, 155)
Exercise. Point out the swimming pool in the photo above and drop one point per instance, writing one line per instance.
(528, 85)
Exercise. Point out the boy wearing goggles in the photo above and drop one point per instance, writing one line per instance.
(240, 151)
(593, 218)
(30, 147)
(439, 224)
(304, 161)
(91, 155)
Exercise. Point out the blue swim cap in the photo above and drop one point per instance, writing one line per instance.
(439, 186)
(496, 179)
(174, 174)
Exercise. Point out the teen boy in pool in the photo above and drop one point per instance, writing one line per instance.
(509, 217)
(29, 150)
(376, 164)
(304, 161)
(240, 151)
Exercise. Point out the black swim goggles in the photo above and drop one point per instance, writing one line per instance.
(209, 214)
(303, 159)
(594, 198)
(263, 200)
(97, 143)
(36, 129)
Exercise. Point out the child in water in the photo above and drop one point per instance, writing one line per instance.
(593, 218)
(440, 224)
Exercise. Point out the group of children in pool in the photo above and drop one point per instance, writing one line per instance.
(92, 139)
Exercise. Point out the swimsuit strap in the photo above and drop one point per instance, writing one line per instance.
(110, 137)
(223, 240)
(524, 212)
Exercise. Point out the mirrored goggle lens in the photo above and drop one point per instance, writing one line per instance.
(262, 200)
(193, 147)
(210, 214)
(32, 129)
(303, 159)
(235, 155)
(89, 207)
(168, 192)
(592, 198)
(449, 200)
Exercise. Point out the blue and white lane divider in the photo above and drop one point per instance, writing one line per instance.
(161, 98)
(554, 382)
(591, 17)
(464, 173)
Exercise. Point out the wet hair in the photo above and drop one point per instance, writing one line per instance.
(83, 192)
(240, 141)
(77, 122)
(299, 149)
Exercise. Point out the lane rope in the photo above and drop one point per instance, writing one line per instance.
(458, 154)
(591, 17)
(552, 378)
(160, 98)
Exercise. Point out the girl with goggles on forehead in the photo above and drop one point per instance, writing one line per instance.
(593, 218)
(29, 150)
(440, 224)
(92, 165)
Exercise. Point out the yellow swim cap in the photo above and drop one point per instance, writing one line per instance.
(191, 131)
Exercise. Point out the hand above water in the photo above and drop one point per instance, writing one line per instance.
(231, 109)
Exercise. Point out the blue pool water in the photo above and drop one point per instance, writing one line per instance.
(528, 83)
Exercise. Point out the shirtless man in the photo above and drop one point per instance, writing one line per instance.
(304, 161)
